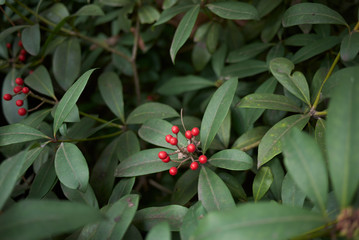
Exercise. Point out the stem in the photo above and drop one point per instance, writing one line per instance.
(253, 145)
(159, 186)
(18, 13)
(182, 120)
(91, 139)
(42, 99)
(317, 232)
(133, 62)
(102, 120)
(7, 17)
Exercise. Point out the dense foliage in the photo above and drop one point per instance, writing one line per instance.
(179, 119)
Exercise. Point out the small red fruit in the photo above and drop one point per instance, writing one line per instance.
(22, 111)
(20, 43)
(8, 45)
(194, 165)
(162, 155)
(173, 141)
(202, 159)
(173, 171)
(175, 129)
(23, 52)
(19, 81)
(168, 138)
(31, 71)
(17, 89)
(19, 103)
(166, 160)
(195, 131)
(22, 58)
(25, 90)
(7, 97)
(188, 134)
(191, 148)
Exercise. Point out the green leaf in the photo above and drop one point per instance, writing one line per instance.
(233, 10)
(266, 6)
(301, 39)
(119, 217)
(69, 99)
(149, 111)
(278, 176)
(56, 13)
(319, 133)
(191, 220)
(39, 219)
(200, 57)
(71, 167)
(216, 112)
(260, 221)
(169, 13)
(128, 144)
(144, 162)
(31, 38)
(201, 32)
(180, 85)
(213, 192)
(233, 185)
(9, 174)
(40, 81)
(349, 46)
(185, 188)
(231, 159)
(218, 59)
(295, 83)
(67, 62)
(18, 133)
(88, 197)
(213, 36)
(305, 164)
(147, 218)
(110, 87)
(148, 14)
(311, 13)
(116, 3)
(224, 132)
(247, 52)
(154, 131)
(245, 68)
(271, 144)
(269, 101)
(262, 182)
(11, 30)
(342, 136)
(159, 231)
(250, 138)
(291, 193)
(123, 188)
(89, 10)
(44, 180)
(183, 30)
(31, 156)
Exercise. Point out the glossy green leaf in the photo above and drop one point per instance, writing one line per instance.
(154, 131)
(18, 133)
(11, 30)
(231, 159)
(213, 36)
(90, 10)
(213, 192)
(281, 68)
(88, 197)
(311, 13)
(291, 193)
(31, 156)
(216, 112)
(233, 185)
(71, 167)
(128, 144)
(148, 14)
(144, 162)
(67, 62)
(69, 99)
(180, 85)
(201, 32)
(40, 81)
(305, 163)
(276, 51)
(168, 3)
(233, 10)
(349, 46)
(301, 39)
(39, 219)
(224, 131)
(184, 30)
(147, 218)
(272, 26)
(262, 182)
(185, 188)
(159, 231)
(110, 87)
(266, 6)
(218, 59)
(319, 133)
(271, 144)
(245, 69)
(44, 180)
(9, 174)
(31, 38)
(250, 138)
(269, 101)
(342, 136)
(169, 13)
(247, 52)
(200, 57)
(191, 220)
(123, 187)
(149, 111)
(260, 221)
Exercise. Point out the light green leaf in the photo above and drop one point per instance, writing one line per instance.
(245, 69)
(31, 38)
(169, 13)
(218, 59)
(185, 187)
(184, 30)
(213, 36)
(40, 81)
(262, 182)
(123, 187)
(191, 220)
(44, 180)
(224, 132)
(88, 197)
(291, 194)
(150, 111)
(148, 14)
(319, 133)
(216, 111)
(18, 133)
(159, 231)
(250, 138)
(231, 159)
(56, 12)
(90, 10)
(247, 52)
(349, 46)
(128, 144)
(233, 10)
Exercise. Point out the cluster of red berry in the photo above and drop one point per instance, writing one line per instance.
(22, 55)
(188, 153)
(19, 89)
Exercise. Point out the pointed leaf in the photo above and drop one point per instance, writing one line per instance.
(88, 197)
(191, 220)
(320, 129)
(40, 81)
(160, 231)
(349, 47)
(11, 30)
(169, 13)
(89, 10)
(200, 57)
(44, 180)
(148, 14)
(262, 182)
(245, 68)
(185, 188)
(233, 10)
(123, 188)
(250, 138)
(149, 111)
(278, 176)
(247, 52)
(218, 59)
(291, 194)
(128, 144)
(31, 38)
(231, 159)
(18, 133)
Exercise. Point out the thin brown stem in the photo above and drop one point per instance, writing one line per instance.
(159, 186)
(31, 94)
(102, 120)
(182, 120)
(6, 16)
(37, 107)
(253, 145)
(18, 13)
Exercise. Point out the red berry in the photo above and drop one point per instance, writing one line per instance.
(166, 160)
(19, 103)
(191, 148)
(23, 52)
(7, 97)
(25, 90)
(19, 81)
(162, 155)
(20, 43)
(188, 134)
(202, 159)
(17, 89)
(8, 45)
(22, 111)
(194, 165)
(168, 138)
(22, 58)
(175, 129)
(195, 131)
(31, 71)
(173, 141)
(173, 171)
